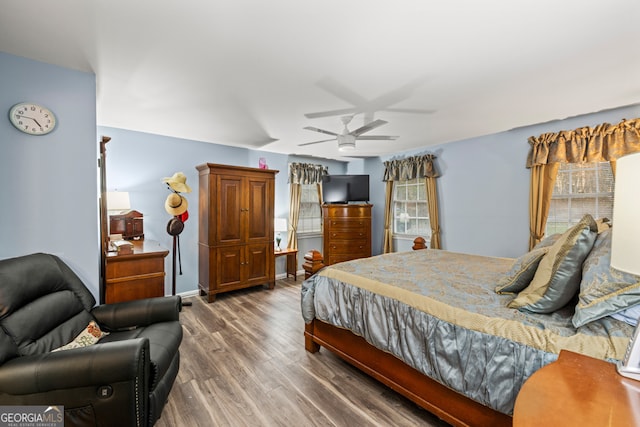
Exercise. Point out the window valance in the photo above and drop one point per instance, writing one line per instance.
(306, 173)
(604, 142)
(411, 168)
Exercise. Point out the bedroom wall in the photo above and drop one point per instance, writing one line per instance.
(49, 182)
(484, 187)
(137, 162)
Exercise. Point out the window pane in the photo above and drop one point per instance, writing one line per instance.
(580, 189)
(410, 208)
(310, 218)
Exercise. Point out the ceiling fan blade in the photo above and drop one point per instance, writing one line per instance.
(377, 138)
(316, 142)
(369, 126)
(330, 113)
(410, 110)
(341, 91)
(320, 130)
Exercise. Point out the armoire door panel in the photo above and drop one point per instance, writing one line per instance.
(230, 261)
(229, 221)
(258, 210)
(257, 262)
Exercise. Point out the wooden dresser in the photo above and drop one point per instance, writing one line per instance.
(137, 275)
(235, 228)
(347, 232)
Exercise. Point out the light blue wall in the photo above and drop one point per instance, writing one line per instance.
(49, 183)
(137, 162)
(484, 188)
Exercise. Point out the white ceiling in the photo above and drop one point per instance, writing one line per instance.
(245, 72)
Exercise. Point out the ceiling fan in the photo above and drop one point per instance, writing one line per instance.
(347, 139)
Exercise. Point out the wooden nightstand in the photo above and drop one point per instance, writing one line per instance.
(137, 275)
(578, 390)
(292, 261)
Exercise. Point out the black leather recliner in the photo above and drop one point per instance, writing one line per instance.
(122, 380)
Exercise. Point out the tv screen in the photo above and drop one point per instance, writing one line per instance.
(345, 188)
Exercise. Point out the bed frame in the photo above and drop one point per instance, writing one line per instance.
(429, 394)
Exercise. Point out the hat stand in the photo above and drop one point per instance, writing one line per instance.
(176, 251)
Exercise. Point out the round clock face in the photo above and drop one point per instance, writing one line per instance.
(32, 118)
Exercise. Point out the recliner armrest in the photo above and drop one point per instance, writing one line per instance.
(144, 312)
(98, 364)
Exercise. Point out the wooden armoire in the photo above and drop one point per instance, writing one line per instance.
(347, 232)
(235, 228)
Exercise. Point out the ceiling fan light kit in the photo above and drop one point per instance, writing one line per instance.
(346, 142)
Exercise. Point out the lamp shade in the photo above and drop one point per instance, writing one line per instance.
(118, 201)
(280, 224)
(625, 243)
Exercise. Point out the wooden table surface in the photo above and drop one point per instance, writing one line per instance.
(578, 390)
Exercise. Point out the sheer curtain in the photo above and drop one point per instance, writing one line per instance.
(301, 173)
(601, 143)
(405, 169)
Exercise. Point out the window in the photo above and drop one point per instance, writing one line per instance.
(310, 218)
(410, 211)
(580, 188)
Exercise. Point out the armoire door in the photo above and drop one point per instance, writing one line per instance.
(229, 227)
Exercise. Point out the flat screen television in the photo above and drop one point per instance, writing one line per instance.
(345, 188)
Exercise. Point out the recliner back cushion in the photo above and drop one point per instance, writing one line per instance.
(43, 305)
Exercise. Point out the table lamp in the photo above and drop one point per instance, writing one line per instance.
(280, 225)
(625, 242)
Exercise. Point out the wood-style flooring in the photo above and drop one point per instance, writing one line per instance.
(243, 363)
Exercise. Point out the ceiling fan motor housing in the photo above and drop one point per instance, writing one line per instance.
(346, 142)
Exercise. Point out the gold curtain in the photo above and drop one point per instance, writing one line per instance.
(295, 191)
(387, 246)
(405, 169)
(604, 142)
(432, 204)
(543, 178)
(301, 173)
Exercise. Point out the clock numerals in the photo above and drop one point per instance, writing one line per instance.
(32, 118)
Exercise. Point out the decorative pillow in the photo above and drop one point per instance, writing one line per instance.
(604, 290)
(557, 278)
(89, 336)
(521, 272)
(548, 241)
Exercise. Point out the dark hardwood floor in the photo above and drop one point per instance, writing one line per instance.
(243, 363)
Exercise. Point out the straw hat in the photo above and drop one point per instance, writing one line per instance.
(178, 182)
(175, 204)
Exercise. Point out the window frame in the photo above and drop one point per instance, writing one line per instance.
(421, 199)
(304, 189)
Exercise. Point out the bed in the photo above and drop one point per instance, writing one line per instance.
(459, 334)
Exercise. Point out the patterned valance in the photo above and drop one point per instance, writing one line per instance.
(306, 173)
(604, 142)
(410, 168)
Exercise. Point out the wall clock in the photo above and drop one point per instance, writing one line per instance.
(32, 118)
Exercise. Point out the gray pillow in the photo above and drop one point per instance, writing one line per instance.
(557, 278)
(521, 272)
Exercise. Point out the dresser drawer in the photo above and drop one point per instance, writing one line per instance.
(348, 234)
(359, 246)
(348, 224)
